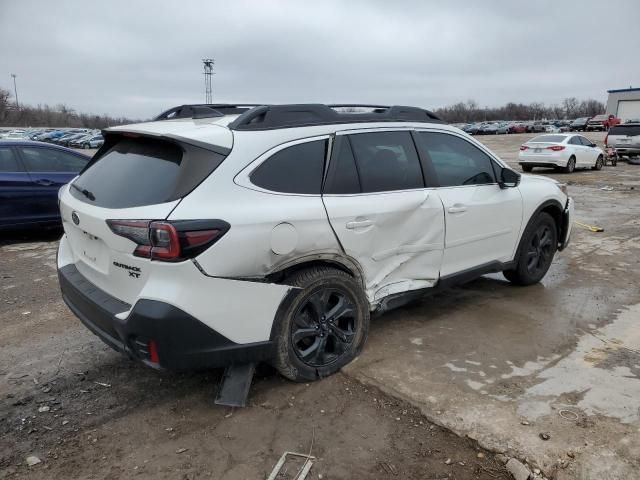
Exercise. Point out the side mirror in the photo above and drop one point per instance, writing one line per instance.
(593, 145)
(509, 178)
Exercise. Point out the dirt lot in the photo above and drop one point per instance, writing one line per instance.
(489, 361)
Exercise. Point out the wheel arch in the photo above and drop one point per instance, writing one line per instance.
(279, 273)
(553, 208)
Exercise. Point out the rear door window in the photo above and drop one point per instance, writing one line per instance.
(141, 171)
(342, 176)
(40, 159)
(575, 141)
(295, 169)
(386, 161)
(456, 161)
(8, 161)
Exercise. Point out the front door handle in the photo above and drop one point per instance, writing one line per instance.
(457, 208)
(359, 224)
(44, 182)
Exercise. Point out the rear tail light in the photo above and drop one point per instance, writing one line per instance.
(169, 241)
(556, 148)
(524, 147)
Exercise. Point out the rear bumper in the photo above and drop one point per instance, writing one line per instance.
(627, 150)
(182, 341)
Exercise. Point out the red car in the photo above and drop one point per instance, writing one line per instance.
(602, 122)
(518, 128)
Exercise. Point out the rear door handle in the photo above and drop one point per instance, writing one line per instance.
(44, 182)
(457, 209)
(359, 224)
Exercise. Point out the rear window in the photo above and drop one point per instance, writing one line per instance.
(137, 172)
(630, 130)
(548, 139)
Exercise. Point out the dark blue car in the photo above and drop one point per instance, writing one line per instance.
(31, 173)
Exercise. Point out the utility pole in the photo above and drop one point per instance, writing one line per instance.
(15, 90)
(208, 71)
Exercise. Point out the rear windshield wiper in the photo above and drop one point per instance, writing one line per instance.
(84, 191)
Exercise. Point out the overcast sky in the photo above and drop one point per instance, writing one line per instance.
(135, 58)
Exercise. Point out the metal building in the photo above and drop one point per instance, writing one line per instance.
(624, 103)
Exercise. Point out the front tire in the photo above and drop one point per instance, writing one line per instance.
(86, 146)
(527, 168)
(571, 165)
(535, 253)
(321, 326)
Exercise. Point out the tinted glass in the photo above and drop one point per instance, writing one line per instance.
(586, 142)
(548, 139)
(295, 169)
(342, 177)
(38, 159)
(386, 161)
(631, 130)
(575, 141)
(455, 160)
(8, 161)
(144, 172)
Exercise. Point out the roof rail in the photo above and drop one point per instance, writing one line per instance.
(268, 117)
(204, 111)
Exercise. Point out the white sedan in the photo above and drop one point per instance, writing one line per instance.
(567, 152)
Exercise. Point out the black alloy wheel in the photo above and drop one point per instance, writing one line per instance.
(324, 327)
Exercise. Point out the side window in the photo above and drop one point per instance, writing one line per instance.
(585, 141)
(386, 161)
(8, 161)
(295, 169)
(38, 159)
(455, 160)
(575, 141)
(342, 177)
(70, 163)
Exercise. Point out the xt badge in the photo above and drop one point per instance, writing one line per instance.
(133, 271)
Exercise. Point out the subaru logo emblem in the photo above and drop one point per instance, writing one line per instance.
(74, 217)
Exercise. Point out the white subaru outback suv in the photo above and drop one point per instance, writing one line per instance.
(228, 234)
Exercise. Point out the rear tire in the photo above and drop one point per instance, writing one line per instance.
(527, 168)
(535, 253)
(599, 163)
(321, 326)
(571, 165)
(86, 146)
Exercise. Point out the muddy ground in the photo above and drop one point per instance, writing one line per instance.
(109, 418)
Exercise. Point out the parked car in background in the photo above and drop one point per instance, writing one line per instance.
(579, 124)
(602, 122)
(551, 128)
(31, 173)
(88, 141)
(625, 138)
(15, 135)
(489, 129)
(67, 139)
(518, 128)
(566, 152)
(503, 128)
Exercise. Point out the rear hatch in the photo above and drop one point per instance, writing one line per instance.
(622, 136)
(132, 177)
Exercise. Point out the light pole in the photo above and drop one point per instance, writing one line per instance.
(15, 90)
